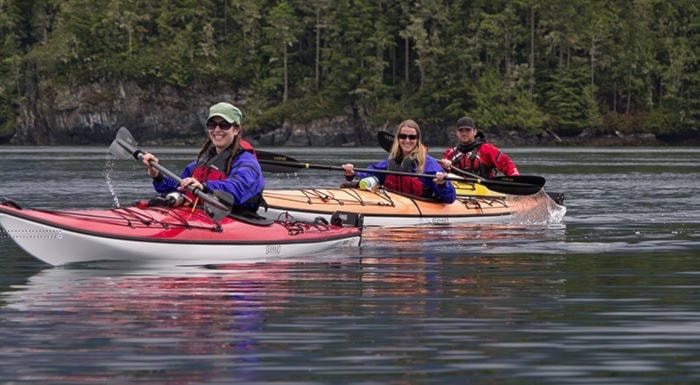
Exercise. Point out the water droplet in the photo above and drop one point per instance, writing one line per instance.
(108, 169)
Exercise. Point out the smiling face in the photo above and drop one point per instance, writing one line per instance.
(408, 139)
(220, 137)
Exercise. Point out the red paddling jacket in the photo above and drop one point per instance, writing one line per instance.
(481, 158)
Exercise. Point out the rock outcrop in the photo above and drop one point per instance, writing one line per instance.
(91, 115)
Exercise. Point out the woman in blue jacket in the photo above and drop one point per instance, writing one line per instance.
(222, 164)
(408, 154)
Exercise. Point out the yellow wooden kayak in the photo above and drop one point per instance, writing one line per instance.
(384, 208)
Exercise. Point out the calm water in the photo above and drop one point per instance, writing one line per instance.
(610, 295)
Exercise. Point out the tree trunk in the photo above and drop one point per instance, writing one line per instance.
(507, 57)
(406, 60)
(286, 76)
(532, 51)
(421, 72)
(318, 47)
(592, 57)
(392, 51)
(477, 72)
(629, 92)
(561, 53)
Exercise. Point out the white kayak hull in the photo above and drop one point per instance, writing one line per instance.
(57, 246)
(378, 220)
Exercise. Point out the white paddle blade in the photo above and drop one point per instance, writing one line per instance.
(118, 151)
(124, 135)
(124, 144)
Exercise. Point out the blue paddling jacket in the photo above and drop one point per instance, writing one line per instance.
(244, 181)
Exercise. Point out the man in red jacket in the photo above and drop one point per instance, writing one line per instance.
(474, 155)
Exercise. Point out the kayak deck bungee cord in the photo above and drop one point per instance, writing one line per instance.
(164, 234)
(384, 208)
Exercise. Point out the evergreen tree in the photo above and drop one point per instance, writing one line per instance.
(570, 101)
(281, 32)
(10, 27)
(517, 65)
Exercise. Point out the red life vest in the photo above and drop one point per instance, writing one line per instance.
(210, 168)
(404, 184)
(213, 166)
(481, 158)
(248, 147)
(401, 183)
(471, 162)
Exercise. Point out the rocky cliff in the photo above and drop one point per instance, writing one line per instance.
(92, 114)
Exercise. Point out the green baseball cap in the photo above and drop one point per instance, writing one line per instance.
(227, 111)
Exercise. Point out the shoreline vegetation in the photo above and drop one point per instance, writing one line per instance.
(565, 73)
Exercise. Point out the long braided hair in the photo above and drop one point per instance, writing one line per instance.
(418, 153)
(207, 147)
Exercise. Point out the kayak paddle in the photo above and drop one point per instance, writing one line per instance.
(386, 140)
(124, 147)
(514, 188)
(275, 168)
(514, 185)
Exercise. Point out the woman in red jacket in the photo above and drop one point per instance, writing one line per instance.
(474, 155)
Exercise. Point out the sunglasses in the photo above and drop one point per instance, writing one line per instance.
(465, 129)
(409, 137)
(223, 125)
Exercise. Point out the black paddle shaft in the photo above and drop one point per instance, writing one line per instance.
(516, 185)
(138, 155)
(338, 168)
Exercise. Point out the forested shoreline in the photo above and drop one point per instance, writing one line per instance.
(564, 68)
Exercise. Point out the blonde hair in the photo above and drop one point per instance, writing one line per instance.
(234, 148)
(418, 153)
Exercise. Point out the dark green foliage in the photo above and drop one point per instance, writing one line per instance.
(11, 35)
(570, 101)
(518, 65)
(502, 105)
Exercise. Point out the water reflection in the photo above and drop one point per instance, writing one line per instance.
(463, 240)
(179, 325)
(608, 296)
(385, 317)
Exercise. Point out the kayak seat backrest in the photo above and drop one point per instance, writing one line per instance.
(342, 218)
(252, 219)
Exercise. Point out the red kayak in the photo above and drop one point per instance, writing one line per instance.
(177, 236)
